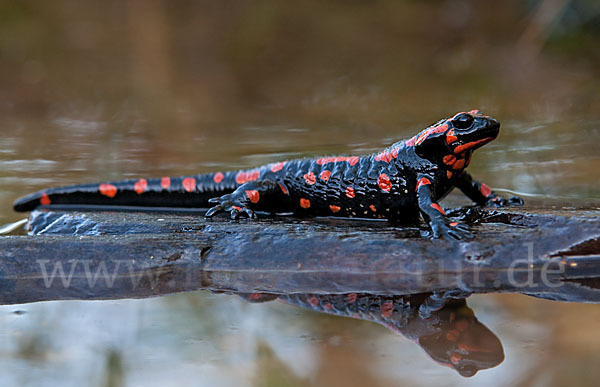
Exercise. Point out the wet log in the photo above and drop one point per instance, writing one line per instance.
(549, 253)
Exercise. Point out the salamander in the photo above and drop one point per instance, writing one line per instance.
(401, 183)
(450, 334)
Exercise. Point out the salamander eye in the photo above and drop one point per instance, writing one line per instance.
(462, 121)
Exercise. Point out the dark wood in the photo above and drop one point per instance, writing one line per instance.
(153, 253)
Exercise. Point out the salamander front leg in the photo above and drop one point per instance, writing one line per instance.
(434, 214)
(482, 194)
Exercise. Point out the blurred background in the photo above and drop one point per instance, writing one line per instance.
(113, 89)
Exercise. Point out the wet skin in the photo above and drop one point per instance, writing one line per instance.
(401, 183)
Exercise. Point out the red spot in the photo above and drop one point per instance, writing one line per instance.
(437, 207)
(218, 177)
(428, 132)
(485, 190)
(422, 181)
(449, 159)
(108, 190)
(313, 301)
(384, 182)
(387, 308)
(325, 175)
(277, 166)
(253, 195)
(455, 358)
(165, 182)
(140, 186)
(327, 306)
(255, 296)
(283, 189)
(237, 208)
(304, 203)
(454, 224)
(411, 141)
(459, 164)
(189, 184)
(244, 177)
(440, 129)
(334, 209)
(240, 178)
(326, 160)
(469, 145)
(474, 112)
(449, 174)
(451, 137)
(351, 297)
(387, 156)
(45, 200)
(350, 192)
(373, 208)
(422, 137)
(310, 178)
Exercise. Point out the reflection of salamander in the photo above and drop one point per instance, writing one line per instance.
(451, 335)
(399, 183)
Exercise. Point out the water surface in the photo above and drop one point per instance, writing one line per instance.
(112, 90)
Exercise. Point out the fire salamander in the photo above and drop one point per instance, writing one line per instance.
(400, 183)
(449, 332)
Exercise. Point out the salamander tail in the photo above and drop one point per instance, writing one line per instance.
(183, 192)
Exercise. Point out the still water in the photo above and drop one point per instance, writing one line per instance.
(114, 90)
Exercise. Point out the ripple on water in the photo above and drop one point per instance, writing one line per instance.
(81, 127)
(27, 165)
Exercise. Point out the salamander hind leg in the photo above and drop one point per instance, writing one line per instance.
(244, 200)
(231, 203)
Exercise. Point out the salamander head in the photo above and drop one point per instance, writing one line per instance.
(460, 341)
(454, 139)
